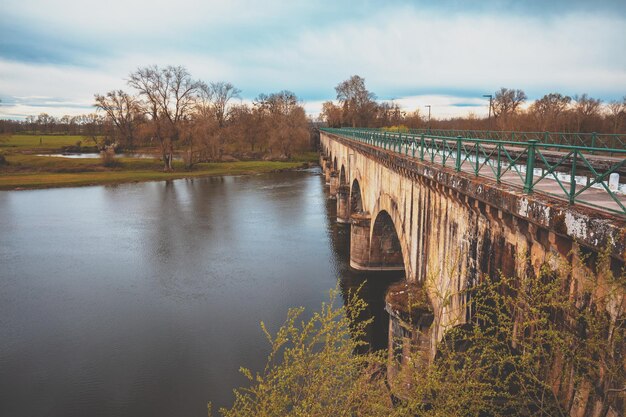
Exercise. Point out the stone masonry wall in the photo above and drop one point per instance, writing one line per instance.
(453, 229)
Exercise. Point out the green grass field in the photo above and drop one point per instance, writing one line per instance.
(25, 170)
(23, 142)
(60, 179)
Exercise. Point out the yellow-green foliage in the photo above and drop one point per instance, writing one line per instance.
(312, 371)
(399, 128)
(523, 334)
(311, 156)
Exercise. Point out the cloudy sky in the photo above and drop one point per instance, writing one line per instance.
(55, 55)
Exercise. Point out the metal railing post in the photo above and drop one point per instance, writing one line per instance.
(458, 153)
(572, 185)
(432, 150)
(530, 166)
(499, 167)
(477, 166)
(422, 147)
(594, 135)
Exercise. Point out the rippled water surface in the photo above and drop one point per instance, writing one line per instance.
(144, 299)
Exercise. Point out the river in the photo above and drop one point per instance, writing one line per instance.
(145, 299)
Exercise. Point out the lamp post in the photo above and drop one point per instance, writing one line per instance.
(428, 105)
(489, 117)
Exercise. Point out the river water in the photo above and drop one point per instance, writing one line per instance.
(145, 299)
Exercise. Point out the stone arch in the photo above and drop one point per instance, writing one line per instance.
(335, 163)
(356, 200)
(391, 220)
(343, 179)
(385, 249)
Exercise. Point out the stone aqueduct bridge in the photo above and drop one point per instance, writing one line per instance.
(447, 229)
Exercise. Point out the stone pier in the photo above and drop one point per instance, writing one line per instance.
(327, 171)
(360, 241)
(343, 204)
(410, 319)
(334, 183)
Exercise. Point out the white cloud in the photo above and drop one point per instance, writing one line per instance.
(417, 57)
(118, 18)
(409, 50)
(444, 106)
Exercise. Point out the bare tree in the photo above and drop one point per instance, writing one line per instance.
(288, 126)
(616, 112)
(548, 109)
(506, 102)
(122, 109)
(413, 120)
(586, 109)
(168, 98)
(45, 121)
(331, 114)
(357, 102)
(221, 93)
(390, 114)
(93, 130)
(66, 122)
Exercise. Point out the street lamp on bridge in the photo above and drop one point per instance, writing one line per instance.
(489, 116)
(428, 105)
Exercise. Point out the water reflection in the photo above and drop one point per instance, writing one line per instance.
(373, 285)
(145, 299)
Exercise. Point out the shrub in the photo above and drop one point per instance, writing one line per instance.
(108, 157)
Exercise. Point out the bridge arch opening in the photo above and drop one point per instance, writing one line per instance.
(385, 248)
(335, 164)
(356, 202)
(342, 176)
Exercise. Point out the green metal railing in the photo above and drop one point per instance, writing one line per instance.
(593, 140)
(535, 166)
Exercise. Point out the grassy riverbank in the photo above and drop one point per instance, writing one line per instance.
(25, 169)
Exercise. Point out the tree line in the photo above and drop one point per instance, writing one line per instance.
(169, 109)
(356, 106)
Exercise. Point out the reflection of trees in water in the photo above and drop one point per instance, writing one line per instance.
(374, 288)
(375, 284)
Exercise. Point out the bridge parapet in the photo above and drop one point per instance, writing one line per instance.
(604, 141)
(597, 225)
(572, 173)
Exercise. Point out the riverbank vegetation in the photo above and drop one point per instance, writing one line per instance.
(168, 110)
(531, 348)
(38, 161)
(168, 126)
(129, 172)
(356, 106)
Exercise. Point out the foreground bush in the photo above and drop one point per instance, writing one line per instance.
(312, 371)
(523, 335)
